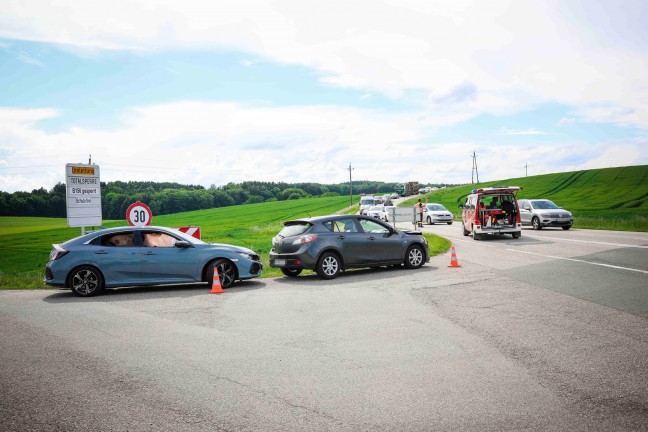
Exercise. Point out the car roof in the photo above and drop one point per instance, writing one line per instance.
(317, 219)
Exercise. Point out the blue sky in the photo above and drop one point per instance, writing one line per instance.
(207, 92)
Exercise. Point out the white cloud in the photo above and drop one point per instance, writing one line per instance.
(513, 54)
(522, 132)
(215, 143)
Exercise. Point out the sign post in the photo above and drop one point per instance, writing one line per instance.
(139, 214)
(83, 195)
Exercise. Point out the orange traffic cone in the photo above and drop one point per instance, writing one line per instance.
(216, 285)
(453, 261)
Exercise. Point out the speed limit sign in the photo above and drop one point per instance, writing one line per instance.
(139, 214)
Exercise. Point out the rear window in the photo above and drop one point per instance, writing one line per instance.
(294, 229)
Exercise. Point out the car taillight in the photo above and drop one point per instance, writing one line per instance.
(57, 253)
(305, 239)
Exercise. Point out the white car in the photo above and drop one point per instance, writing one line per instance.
(436, 213)
(366, 202)
(378, 212)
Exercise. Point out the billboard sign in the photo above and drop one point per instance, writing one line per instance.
(83, 195)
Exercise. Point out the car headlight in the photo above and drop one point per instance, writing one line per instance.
(247, 255)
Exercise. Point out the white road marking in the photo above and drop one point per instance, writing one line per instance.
(588, 241)
(580, 261)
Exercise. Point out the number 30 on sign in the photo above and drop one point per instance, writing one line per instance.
(139, 214)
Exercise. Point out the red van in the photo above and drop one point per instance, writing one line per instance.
(492, 210)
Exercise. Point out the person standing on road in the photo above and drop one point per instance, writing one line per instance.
(421, 206)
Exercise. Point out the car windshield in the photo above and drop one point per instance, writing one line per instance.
(376, 208)
(294, 228)
(367, 201)
(544, 205)
(436, 207)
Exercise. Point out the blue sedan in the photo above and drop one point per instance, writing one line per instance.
(130, 256)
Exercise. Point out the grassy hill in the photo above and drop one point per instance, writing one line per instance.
(610, 198)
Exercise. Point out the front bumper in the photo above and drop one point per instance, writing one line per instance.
(549, 222)
(441, 219)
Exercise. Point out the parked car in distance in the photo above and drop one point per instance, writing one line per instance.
(365, 203)
(436, 213)
(330, 244)
(491, 210)
(377, 212)
(541, 213)
(136, 256)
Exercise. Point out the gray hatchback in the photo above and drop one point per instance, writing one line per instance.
(330, 244)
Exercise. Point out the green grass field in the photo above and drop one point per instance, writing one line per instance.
(25, 243)
(611, 198)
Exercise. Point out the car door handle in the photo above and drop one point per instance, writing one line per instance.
(372, 238)
(341, 237)
(101, 252)
(149, 253)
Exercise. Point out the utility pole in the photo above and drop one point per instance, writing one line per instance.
(350, 186)
(474, 169)
(526, 170)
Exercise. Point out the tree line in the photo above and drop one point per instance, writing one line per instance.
(167, 198)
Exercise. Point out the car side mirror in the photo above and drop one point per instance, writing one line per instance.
(182, 244)
(461, 206)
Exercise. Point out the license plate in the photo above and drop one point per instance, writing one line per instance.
(280, 262)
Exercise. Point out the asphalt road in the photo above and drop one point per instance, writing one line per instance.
(547, 332)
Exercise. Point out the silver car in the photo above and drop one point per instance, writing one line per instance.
(541, 213)
(436, 213)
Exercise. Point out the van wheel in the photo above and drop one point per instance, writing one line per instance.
(516, 235)
(328, 266)
(536, 223)
(566, 227)
(465, 231)
(475, 235)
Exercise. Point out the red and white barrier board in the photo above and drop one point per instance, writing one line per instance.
(191, 230)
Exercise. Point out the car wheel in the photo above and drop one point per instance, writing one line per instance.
(291, 272)
(328, 266)
(536, 223)
(566, 227)
(516, 235)
(429, 220)
(449, 223)
(227, 272)
(414, 257)
(86, 281)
